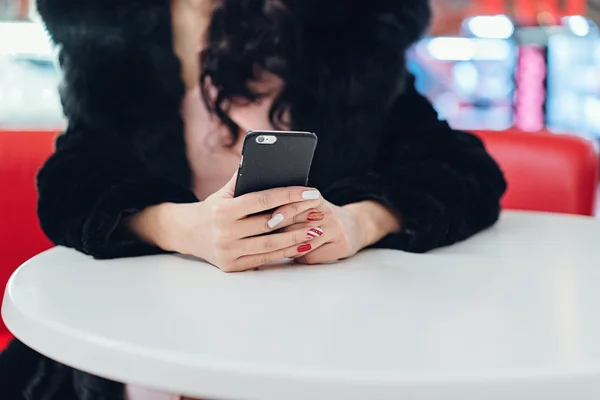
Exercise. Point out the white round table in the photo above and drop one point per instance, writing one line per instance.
(513, 313)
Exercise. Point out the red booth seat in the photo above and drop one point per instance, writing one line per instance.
(546, 172)
(21, 156)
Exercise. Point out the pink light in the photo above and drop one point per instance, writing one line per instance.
(530, 96)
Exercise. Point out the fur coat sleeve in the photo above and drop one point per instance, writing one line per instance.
(441, 182)
(122, 149)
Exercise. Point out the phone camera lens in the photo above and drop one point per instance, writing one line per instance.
(260, 139)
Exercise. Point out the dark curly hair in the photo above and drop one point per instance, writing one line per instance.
(246, 39)
(340, 60)
(342, 63)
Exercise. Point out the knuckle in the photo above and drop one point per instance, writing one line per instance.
(296, 238)
(295, 207)
(228, 234)
(220, 246)
(222, 234)
(265, 200)
(320, 204)
(219, 211)
(268, 243)
(222, 239)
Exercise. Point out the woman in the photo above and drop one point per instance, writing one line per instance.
(158, 97)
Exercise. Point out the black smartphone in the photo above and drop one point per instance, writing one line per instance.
(273, 159)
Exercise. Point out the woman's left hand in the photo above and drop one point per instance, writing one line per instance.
(340, 232)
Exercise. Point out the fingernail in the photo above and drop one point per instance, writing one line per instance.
(275, 220)
(314, 233)
(315, 216)
(311, 194)
(304, 248)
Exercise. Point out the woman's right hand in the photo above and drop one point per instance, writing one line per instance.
(225, 231)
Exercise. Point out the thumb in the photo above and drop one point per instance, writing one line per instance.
(228, 190)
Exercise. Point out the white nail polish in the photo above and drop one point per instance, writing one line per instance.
(311, 195)
(275, 220)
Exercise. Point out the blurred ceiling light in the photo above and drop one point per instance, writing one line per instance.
(466, 77)
(451, 48)
(491, 26)
(24, 39)
(466, 49)
(578, 24)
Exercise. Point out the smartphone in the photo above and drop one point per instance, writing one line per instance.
(274, 159)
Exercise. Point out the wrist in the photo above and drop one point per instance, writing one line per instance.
(153, 224)
(374, 220)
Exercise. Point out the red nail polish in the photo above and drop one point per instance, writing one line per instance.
(314, 233)
(304, 248)
(315, 216)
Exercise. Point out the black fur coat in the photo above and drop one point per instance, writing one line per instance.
(378, 138)
(124, 148)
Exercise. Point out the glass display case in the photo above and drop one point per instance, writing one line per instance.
(469, 80)
(573, 84)
(497, 76)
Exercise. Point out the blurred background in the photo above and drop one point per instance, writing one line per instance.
(532, 65)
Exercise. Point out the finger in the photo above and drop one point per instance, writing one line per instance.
(254, 225)
(296, 212)
(254, 203)
(277, 241)
(324, 254)
(309, 219)
(320, 238)
(257, 260)
(259, 224)
(303, 225)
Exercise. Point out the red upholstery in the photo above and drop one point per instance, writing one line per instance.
(546, 172)
(21, 156)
